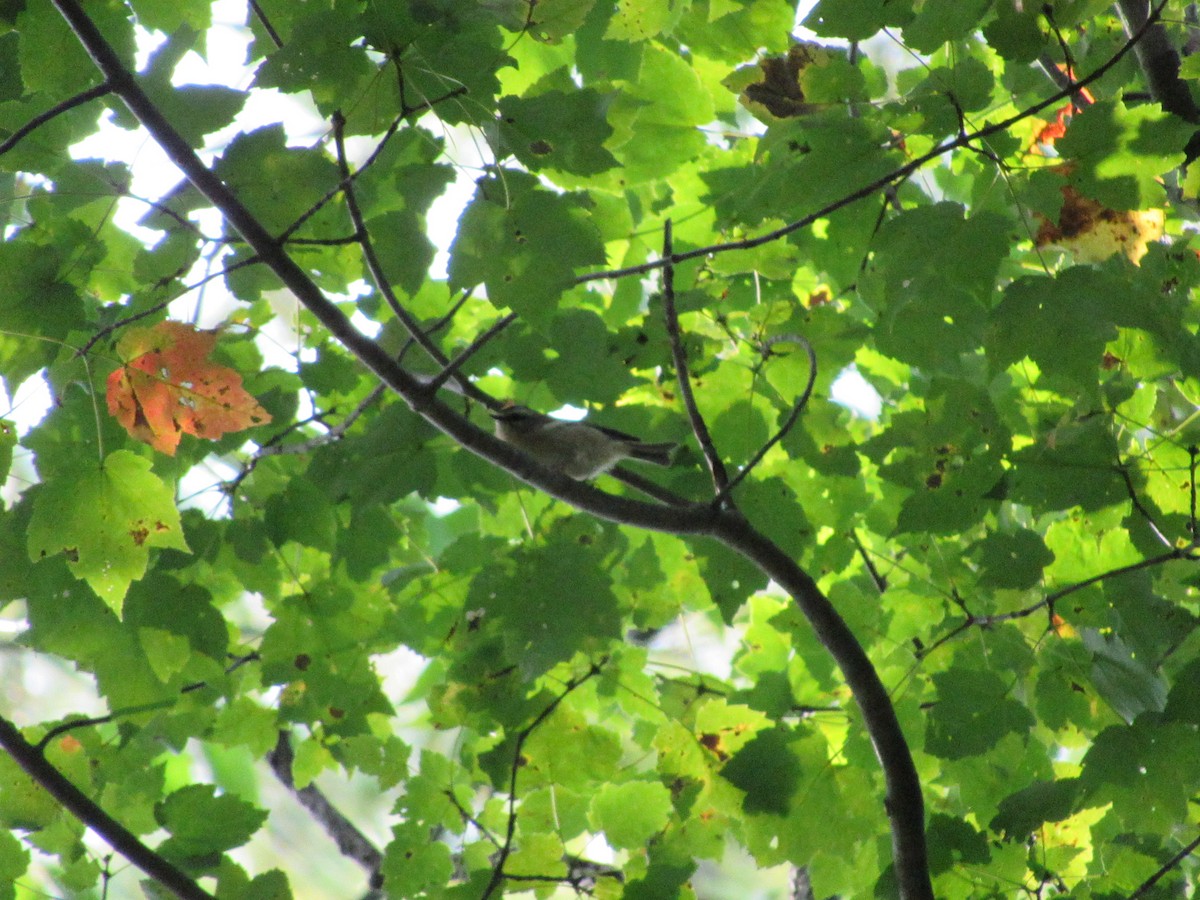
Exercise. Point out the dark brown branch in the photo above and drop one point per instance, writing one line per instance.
(716, 468)
(58, 109)
(351, 842)
(904, 803)
(963, 140)
(83, 808)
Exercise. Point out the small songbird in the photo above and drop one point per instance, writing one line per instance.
(578, 450)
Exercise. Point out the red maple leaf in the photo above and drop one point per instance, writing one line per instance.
(168, 386)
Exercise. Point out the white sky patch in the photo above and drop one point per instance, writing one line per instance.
(855, 393)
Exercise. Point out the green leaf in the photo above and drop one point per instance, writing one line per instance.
(631, 814)
(1125, 682)
(8, 440)
(939, 21)
(558, 130)
(1014, 560)
(105, 519)
(972, 714)
(1025, 811)
(931, 278)
(554, 20)
(14, 860)
(639, 20)
(1119, 152)
(46, 37)
(767, 770)
(856, 20)
(24, 804)
(412, 862)
(202, 823)
(523, 243)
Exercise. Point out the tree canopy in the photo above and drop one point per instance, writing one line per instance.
(932, 636)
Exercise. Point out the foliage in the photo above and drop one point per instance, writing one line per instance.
(233, 552)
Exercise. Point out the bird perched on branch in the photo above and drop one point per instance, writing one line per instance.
(576, 449)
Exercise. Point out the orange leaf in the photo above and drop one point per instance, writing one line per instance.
(169, 387)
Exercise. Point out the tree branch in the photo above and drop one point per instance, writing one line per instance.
(1158, 59)
(58, 109)
(716, 468)
(351, 842)
(963, 140)
(657, 517)
(1145, 887)
(506, 847)
(797, 408)
(29, 758)
(904, 802)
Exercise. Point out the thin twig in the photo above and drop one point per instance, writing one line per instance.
(1145, 886)
(797, 408)
(1048, 602)
(58, 109)
(374, 266)
(388, 133)
(450, 370)
(74, 724)
(716, 468)
(882, 182)
(505, 850)
(276, 447)
(1193, 452)
(159, 307)
(877, 577)
(1137, 504)
(266, 23)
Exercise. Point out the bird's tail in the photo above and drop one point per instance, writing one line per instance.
(659, 454)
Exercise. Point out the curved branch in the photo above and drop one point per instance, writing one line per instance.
(58, 109)
(797, 408)
(270, 251)
(904, 802)
(83, 808)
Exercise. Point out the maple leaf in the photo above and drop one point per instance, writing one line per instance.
(169, 387)
(1092, 232)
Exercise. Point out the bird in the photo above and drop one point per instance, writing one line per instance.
(575, 449)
